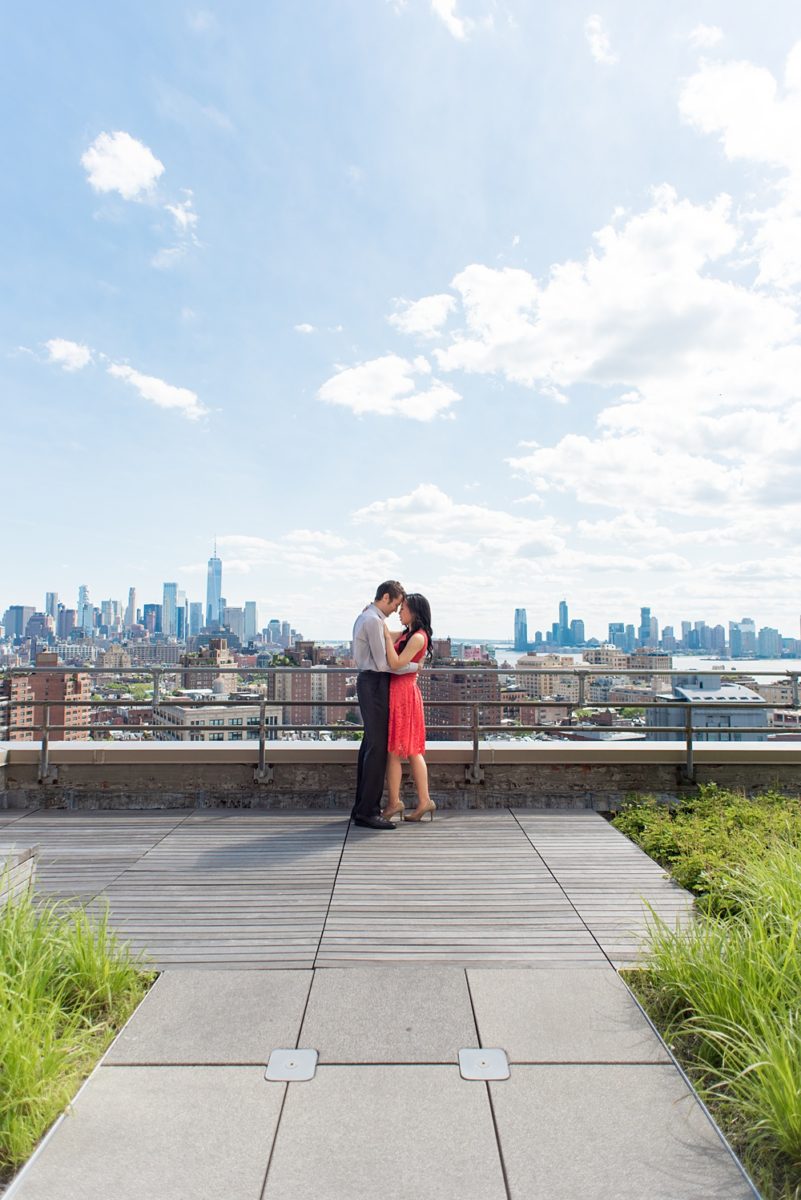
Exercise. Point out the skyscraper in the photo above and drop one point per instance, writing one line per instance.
(130, 611)
(251, 620)
(195, 617)
(86, 616)
(521, 629)
(233, 619)
(644, 632)
(169, 610)
(181, 616)
(151, 616)
(563, 622)
(577, 636)
(51, 604)
(214, 591)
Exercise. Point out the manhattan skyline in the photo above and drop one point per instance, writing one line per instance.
(499, 300)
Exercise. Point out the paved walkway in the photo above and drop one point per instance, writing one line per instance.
(240, 888)
(394, 952)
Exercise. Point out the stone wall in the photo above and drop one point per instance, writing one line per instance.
(320, 784)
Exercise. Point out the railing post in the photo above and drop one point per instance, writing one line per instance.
(688, 770)
(263, 772)
(474, 773)
(795, 692)
(46, 773)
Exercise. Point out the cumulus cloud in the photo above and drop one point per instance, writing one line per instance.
(425, 317)
(598, 41)
(429, 518)
(703, 37)
(742, 103)
(163, 395)
(639, 308)
(304, 328)
(390, 386)
(117, 162)
(71, 356)
(459, 27)
(183, 213)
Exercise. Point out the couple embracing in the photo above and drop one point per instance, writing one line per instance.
(391, 705)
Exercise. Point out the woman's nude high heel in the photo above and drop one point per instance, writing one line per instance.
(418, 814)
(398, 812)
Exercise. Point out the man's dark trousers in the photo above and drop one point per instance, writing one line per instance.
(372, 690)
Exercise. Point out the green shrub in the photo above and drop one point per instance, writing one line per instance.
(701, 838)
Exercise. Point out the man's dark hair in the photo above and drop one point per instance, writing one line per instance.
(390, 588)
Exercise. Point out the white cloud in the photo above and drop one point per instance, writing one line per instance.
(641, 310)
(459, 27)
(163, 395)
(598, 40)
(703, 37)
(304, 328)
(183, 213)
(429, 519)
(620, 471)
(117, 162)
(741, 103)
(71, 356)
(424, 317)
(388, 386)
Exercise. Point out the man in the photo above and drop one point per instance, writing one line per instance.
(372, 689)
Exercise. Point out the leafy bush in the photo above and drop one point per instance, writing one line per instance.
(701, 838)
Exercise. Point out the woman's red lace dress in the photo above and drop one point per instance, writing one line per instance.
(407, 727)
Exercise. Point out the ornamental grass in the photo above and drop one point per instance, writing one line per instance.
(726, 991)
(67, 985)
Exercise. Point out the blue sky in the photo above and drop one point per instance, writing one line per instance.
(500, 299)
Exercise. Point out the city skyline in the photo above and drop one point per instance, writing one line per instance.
(565, 630)
(529, 328)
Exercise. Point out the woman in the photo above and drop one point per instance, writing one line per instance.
(407, 729)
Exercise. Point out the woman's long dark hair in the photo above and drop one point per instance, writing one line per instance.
(421, 619)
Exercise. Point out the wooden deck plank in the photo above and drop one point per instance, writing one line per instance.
(274, 889)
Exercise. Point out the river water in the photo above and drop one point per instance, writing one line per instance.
(763, 669)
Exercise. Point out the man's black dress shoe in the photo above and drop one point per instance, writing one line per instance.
(374, 822)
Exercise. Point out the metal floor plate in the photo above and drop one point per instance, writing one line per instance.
(483, 1064)
(291, 1066)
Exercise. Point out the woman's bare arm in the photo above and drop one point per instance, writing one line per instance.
(413, 646)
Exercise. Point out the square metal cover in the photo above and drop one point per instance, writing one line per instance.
(291, 1065)
(483, 1064)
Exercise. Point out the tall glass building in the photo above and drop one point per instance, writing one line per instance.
(169, 610)
(521, 629)
(214, 591)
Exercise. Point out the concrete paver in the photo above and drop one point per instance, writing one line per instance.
(214, 1017)
(160, 1133)
(492, 929)
(561, 1015)
(356, 1133)
(389, 1014)
(610, 1133)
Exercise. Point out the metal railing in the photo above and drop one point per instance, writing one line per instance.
(267, 730)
